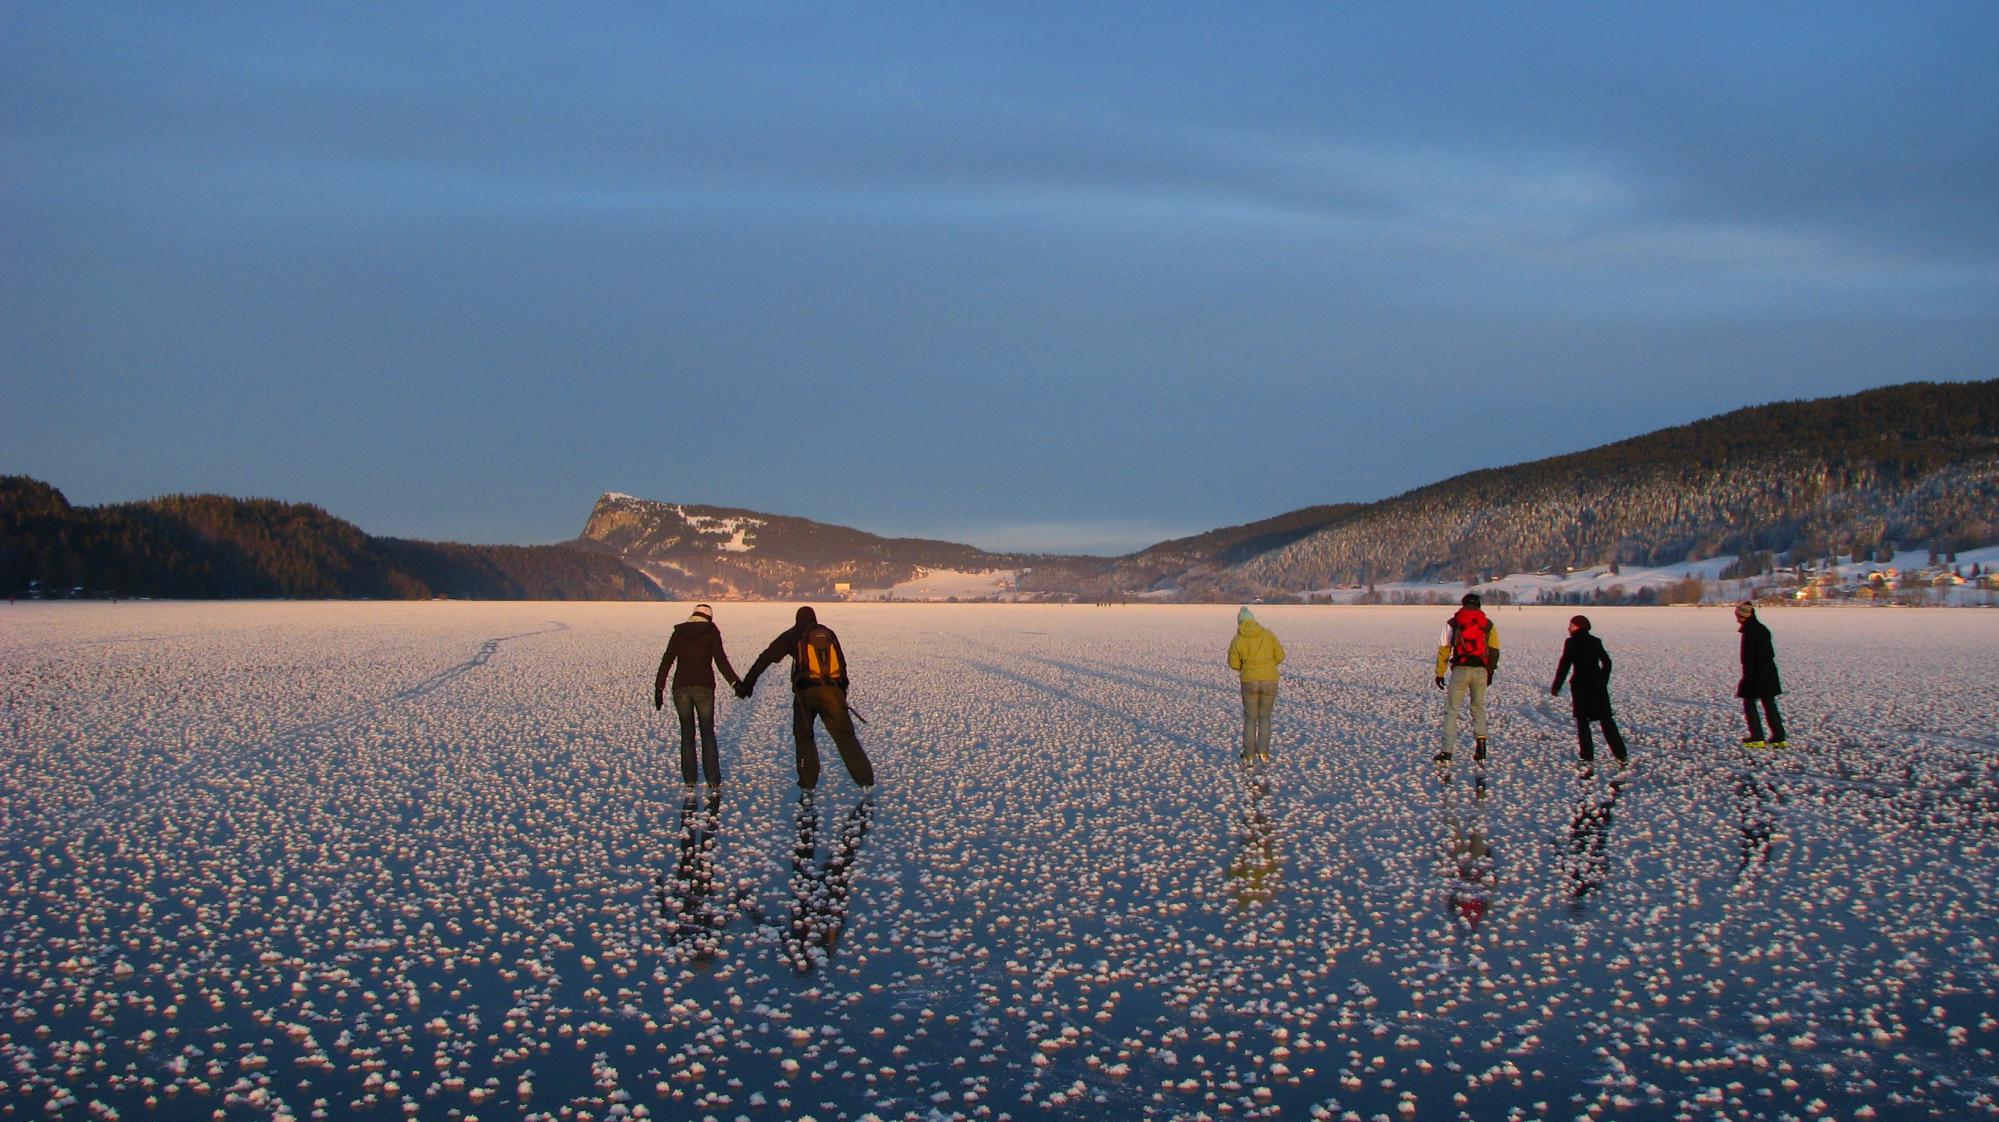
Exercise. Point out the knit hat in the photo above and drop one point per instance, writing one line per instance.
(703, 611)
(1245, 616)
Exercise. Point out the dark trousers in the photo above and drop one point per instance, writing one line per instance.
(1610, 736)
(697, 703)
(1756, 726)
(828, 704)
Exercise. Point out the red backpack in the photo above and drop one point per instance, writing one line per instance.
(1470, 629)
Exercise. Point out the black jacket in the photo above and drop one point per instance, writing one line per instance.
(786, 646)
(697, 646)
(1589, 691)
(1759, 662)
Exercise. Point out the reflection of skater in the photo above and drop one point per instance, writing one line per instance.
(1759, 679)
(1255, 653)
(818, 690)
(1468, 651)
(1589, 834)
(1589, 692)
(697, 646)
(687, 902)
(1474, 867)
(820, 894)
(1253, 876)
(1755, 821)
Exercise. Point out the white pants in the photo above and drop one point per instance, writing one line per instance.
(1464, 678)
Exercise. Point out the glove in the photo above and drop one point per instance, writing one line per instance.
(1440, 682)
(744, 689)
(658, 701)
(1554, 691)
(1488, 677)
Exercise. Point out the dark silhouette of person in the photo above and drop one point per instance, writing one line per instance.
(1760, 683)
(818, 692)
(1589, 691)
(822, 891)
(696, 646)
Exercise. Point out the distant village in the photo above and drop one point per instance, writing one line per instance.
(1941, 581)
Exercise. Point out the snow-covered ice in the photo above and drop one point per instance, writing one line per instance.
(434, 860)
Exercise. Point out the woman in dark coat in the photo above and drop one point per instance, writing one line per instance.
(1759, 679)
(1589, 690)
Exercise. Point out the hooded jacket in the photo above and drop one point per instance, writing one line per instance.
(697, 647)
(1589, 692)
(786, 646)
(1255, 652)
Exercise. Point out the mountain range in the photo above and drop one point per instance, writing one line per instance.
(1906, 465)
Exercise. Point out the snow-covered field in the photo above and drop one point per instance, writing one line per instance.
(949, 584)
(433, 860)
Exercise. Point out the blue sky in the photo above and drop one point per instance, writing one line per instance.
(1073, 277)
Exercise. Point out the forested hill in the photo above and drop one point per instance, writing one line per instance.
(1199, 566)
(694, 551)
(1906, 465)
(211, 547)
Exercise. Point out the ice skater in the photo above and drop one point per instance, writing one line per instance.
(696, 646)
(1467, 657)
(1589, 690)
(1255, 654)
(818, 691)
(1759, 680)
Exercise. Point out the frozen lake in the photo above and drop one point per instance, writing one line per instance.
(434, 860)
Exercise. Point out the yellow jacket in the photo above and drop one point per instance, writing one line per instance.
(1255, 652)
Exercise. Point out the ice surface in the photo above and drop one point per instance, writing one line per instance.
(433, 860)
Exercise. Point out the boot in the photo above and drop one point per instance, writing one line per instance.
(1478, 749)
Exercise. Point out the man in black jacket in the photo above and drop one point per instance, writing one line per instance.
(818, 689)
(697, 647)
(1759, 679)
(1589, 690)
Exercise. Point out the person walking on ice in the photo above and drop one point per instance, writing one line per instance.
(1759, 680)
(1255, 653)
(818, 691)
(696, 646)
(1589, 691)
(1467, 656)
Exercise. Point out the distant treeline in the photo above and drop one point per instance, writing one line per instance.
(216, 547)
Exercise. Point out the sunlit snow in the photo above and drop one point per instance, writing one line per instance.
(433, 860)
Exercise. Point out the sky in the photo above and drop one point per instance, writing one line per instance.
(1072, 277)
